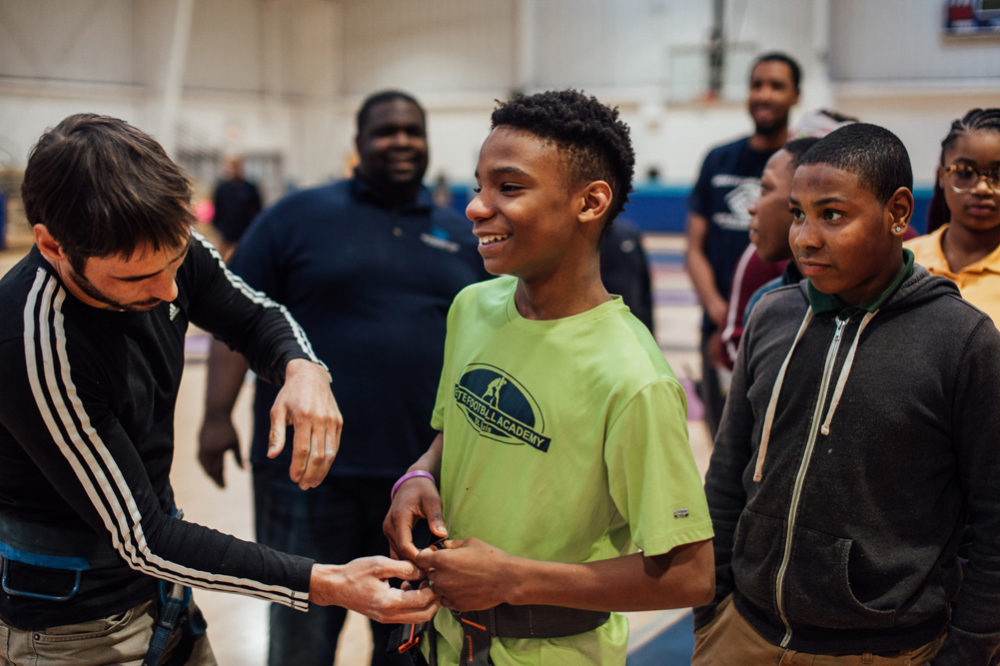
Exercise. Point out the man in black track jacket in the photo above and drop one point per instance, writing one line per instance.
(92, 326)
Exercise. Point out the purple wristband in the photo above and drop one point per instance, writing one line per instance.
(406, 477)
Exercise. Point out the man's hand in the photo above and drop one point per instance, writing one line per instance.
(362, 585)
(217, 435)
(226, 371)
(306, 402)
(715, 350)
(469, 574)
(416, 498)
(717, 308)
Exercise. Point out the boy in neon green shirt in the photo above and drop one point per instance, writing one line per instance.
(568, 488)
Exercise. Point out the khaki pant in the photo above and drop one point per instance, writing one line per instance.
(118, 639)
(729, 640)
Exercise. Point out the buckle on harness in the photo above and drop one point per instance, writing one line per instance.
(56, 563)
(44, 560)
(475, 644)
(175, 603)
(410, 635)
(405, 637)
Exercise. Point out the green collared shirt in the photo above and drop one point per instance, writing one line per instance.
(820, 302)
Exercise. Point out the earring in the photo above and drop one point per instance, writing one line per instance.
(897, 229)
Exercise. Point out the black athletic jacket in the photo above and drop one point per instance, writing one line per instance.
(841, 534)
(87, 402)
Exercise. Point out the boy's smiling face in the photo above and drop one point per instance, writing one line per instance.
(842, 236)
(525, 209)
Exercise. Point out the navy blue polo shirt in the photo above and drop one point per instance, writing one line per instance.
(371, 286)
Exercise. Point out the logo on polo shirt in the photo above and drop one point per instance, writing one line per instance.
(441, 239)
(500, 408)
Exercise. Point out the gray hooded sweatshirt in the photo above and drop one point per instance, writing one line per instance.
(858, 451)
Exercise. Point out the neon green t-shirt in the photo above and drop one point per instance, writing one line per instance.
(564, 440)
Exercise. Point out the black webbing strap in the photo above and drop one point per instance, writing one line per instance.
(174, 599)
(176, 614)
(533, 621)
(503, 621)
(506, 621)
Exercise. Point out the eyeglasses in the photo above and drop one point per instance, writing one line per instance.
(965, 177)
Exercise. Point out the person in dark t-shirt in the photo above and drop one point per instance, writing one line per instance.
(237, 202)
(717, 219)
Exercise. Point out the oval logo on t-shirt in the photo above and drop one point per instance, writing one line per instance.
(499, 407)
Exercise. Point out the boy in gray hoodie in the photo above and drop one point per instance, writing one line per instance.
(858, 443)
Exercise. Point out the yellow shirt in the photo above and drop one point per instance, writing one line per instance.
(979, 282)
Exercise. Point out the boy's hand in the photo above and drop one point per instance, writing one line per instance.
(362, 585)
(468, 574)
(416, 498)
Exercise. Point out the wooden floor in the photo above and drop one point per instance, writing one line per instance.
(237, 625)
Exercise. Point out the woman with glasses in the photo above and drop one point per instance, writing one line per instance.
(963, 243)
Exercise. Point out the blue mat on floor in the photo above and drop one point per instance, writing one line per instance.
(671, 647)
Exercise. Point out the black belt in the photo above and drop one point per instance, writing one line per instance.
(503, 621)
(508, 621)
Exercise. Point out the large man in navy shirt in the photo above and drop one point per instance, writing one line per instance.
(368, 266)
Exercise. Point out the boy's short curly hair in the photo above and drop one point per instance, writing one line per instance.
(594, 140)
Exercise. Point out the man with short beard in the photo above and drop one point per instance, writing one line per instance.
(97, 562)
(718, 218)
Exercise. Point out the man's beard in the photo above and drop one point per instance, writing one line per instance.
(90, 289)
(770, 129)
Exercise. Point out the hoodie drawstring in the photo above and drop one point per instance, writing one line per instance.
(772, 405)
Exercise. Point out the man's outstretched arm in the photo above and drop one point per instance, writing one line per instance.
(277, 348)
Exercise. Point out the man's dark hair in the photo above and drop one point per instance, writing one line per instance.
(974, 120)
(778, 56)
(874, 154)
(797, 148)
(102, 187)
(594, 140)
(385, 96)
